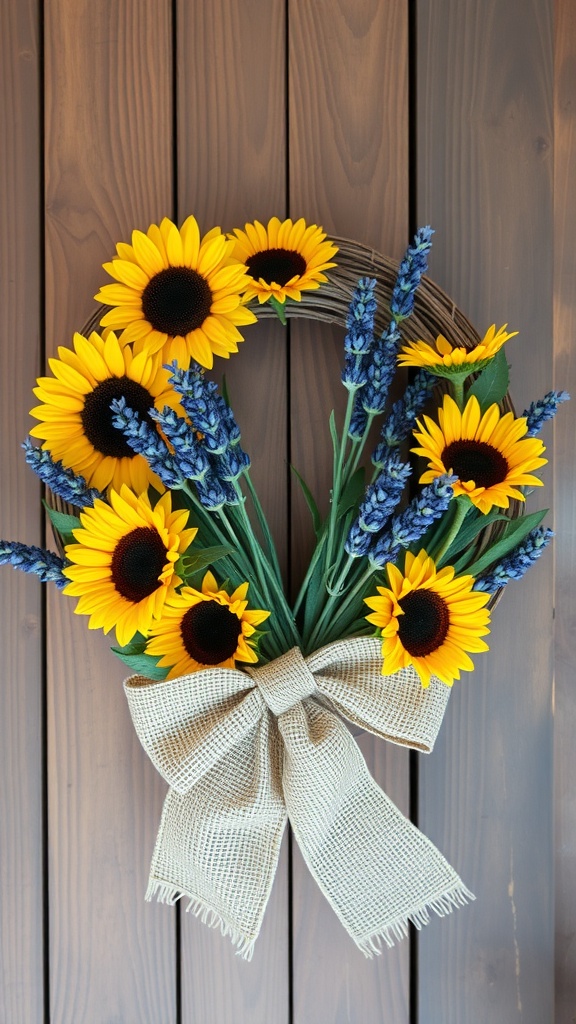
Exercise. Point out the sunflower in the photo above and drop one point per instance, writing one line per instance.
(123, 562)
(446, 360)
(429, 619)
(205, 629)
(177, 293)
(488, 453)
(76, 419)
(283, 259)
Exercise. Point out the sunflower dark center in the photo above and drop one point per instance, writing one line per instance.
(96, 415)
(424, 625)
(276, 266)
(210, 632)
(477, 461)
(176, 301)
(139, 558)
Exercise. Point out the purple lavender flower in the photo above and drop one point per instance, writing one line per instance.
(189, 455)
(404, 412)
(517, 563)
(411, 524)
(44, 564)
(64, 482)
(231, 464)
(412, 267)
(360, 334)
(214, 494)
(145, 440)
(205, 407)
(381, 370)
(380, 500)
(358, 541)
(542, 410)
(358, 422)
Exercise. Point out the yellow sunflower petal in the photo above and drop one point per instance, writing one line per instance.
(147, 254)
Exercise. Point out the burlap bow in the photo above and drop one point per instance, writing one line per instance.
(244, 751)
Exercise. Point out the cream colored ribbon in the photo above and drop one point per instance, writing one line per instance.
(244, 751)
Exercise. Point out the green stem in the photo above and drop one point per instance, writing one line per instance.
(335, 590)
(462, 506)
(339, 452)
(263, 525)
(358, 449)
(314, 638)
(313, 563)
(269, 582)
(457, 384)
(238, 559)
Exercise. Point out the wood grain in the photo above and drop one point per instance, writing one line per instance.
(485, 183)
(565, 524)
(338, 139)
(108, 170)
(231, 169)
(21, 855)
(348, 117)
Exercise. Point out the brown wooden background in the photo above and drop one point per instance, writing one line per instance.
(370, 117)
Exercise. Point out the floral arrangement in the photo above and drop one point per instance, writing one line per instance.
(238, 696)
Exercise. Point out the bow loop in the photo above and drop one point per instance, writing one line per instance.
(190, 724)
(284, 682)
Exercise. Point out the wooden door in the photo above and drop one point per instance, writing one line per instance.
(368, 117)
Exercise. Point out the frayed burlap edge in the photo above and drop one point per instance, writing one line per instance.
(164, 892)
(397, 930)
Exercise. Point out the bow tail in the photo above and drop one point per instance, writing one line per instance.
(218, 844)
(377, 870)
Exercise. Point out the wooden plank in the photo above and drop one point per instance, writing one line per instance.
(108, 170)
(348, 117)
(231, 146)
(565, 525)
(21, 925)
(484, 182)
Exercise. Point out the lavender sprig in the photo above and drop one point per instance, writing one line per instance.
(145, 440)
(410, 525)
(44, 564)
(230, 464)
(64, 482)
(403, 416)
(358, 421)
(378, 504)
(360, 333)
(412, 267)
(206, 408)
(517, 563)
(380, 373)
(543, 409)
(189, 455)
(376, 375)
(214, 493)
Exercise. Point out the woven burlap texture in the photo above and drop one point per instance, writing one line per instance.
(244, 751)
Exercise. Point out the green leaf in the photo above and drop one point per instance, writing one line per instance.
(352, 492)
(492, 384)
(471, 527)
(314, 590)
(513, 535)
(142, 664)
(310, 501)
(334, 433)
(189, 564)
(63, 523)
(136, 646)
